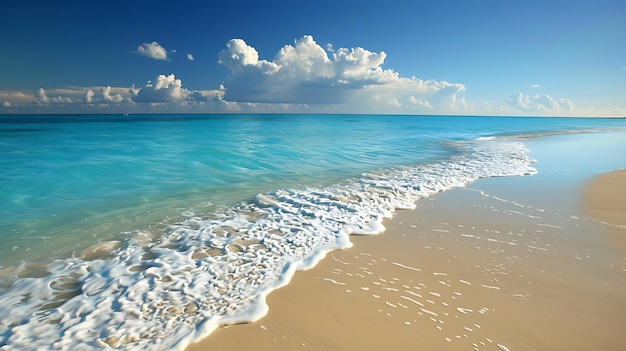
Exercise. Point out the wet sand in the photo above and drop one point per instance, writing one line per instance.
(467, 270)
(605, 196)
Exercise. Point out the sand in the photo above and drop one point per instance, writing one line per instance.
(466, 270)
(605, 196)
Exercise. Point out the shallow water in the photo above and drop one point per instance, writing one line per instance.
(147, 232)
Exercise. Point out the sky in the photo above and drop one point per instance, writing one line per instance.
(433, 57)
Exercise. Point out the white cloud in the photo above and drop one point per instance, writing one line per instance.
(165, 94)
(48, 97)
(363, 66)
(104, 95)
(165, 89)
(306, 60)
(41, 97)
(89, 96)
(153, 50)
(301, 77)
(304, 73)
(238, 57)
(540, 104)
(420, 103)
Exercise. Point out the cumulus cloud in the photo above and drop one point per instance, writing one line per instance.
(239, 57)
(153, 50)
(419, 102)
(65, 96)
(306, 73)
(539, 103)
(165, 94)
(104, 95)
(165, 89)
(302, 76)
(41, 97)
(89, 94)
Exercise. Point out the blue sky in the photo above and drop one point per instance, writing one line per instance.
(417, 57)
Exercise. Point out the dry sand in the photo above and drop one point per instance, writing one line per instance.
(464, 271)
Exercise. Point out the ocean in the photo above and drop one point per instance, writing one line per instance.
(147, 232)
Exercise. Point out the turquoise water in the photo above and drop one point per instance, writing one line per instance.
(177, 200)
(79, 179)
(65, 174)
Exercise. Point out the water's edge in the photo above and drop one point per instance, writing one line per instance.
(166, 289)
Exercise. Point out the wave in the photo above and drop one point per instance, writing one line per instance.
(166, 290)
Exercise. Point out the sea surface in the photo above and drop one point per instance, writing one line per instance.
(146, 232)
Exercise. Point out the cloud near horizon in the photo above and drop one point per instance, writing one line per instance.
(60, 97)
(306, 73)
(164, 89)
(540, 104)
(104, 95)
(302, 77)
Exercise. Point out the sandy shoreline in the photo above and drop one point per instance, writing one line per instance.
(465, 271)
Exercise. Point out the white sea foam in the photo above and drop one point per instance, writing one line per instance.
(217, 269)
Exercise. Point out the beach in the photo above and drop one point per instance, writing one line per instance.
(335, 176)
(474, 268)
(411, 232)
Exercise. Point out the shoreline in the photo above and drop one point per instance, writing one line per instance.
(176, 280)
(496, 274)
